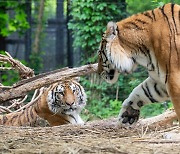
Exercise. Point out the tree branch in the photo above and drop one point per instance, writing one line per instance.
(24, 72)
(23, 87)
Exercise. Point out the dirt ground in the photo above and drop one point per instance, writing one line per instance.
(102, 136)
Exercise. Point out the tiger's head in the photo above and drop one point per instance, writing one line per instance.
(67, 98)
(112, 57)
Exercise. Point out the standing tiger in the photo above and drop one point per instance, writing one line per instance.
(151, 39)
(61, 103)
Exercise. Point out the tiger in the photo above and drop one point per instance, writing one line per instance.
(150, 39)
(60, 103)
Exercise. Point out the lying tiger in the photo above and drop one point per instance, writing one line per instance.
(61, 103)
(151, 39)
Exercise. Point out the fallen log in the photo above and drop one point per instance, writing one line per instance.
(163, 119)
(23, 87)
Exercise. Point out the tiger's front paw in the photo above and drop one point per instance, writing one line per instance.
(79, 121)
(128, 116)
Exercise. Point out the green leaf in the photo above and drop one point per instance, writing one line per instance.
(17, 22)
(12, 28)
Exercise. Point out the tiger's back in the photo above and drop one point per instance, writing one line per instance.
(158, 31)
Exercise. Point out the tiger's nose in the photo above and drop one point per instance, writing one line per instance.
(70, 103)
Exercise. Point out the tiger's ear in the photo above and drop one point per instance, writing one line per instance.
(112, 28)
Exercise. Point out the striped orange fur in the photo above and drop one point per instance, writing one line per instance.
(59, 104)
(150, 39)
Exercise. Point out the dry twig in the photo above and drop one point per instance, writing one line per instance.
(32, 101)
(17, 102)
(24, 72)
(5, 109)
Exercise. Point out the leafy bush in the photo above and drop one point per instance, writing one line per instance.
(154, 109)
(158, 3)
(9, 24)
(105, 99)
(36, 61)
(8, 77)
(133, 8)
(16, 23)
(102, 110)
(137, 6)
(89, 20)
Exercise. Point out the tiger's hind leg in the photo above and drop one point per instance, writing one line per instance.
(147, 92)
(173, 87)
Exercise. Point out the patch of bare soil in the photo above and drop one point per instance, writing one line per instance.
(102, 136)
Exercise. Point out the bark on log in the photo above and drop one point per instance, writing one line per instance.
(23, 87)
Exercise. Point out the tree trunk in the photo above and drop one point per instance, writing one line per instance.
(36, 45)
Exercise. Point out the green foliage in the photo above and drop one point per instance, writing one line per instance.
(89, 20)
(50, 9)
(137, 6)
(154, 109)
(107, 110)
(13, 23)
(102, 111)
(158, 3)
(8, 78)
(36, 61)
(105, 99)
